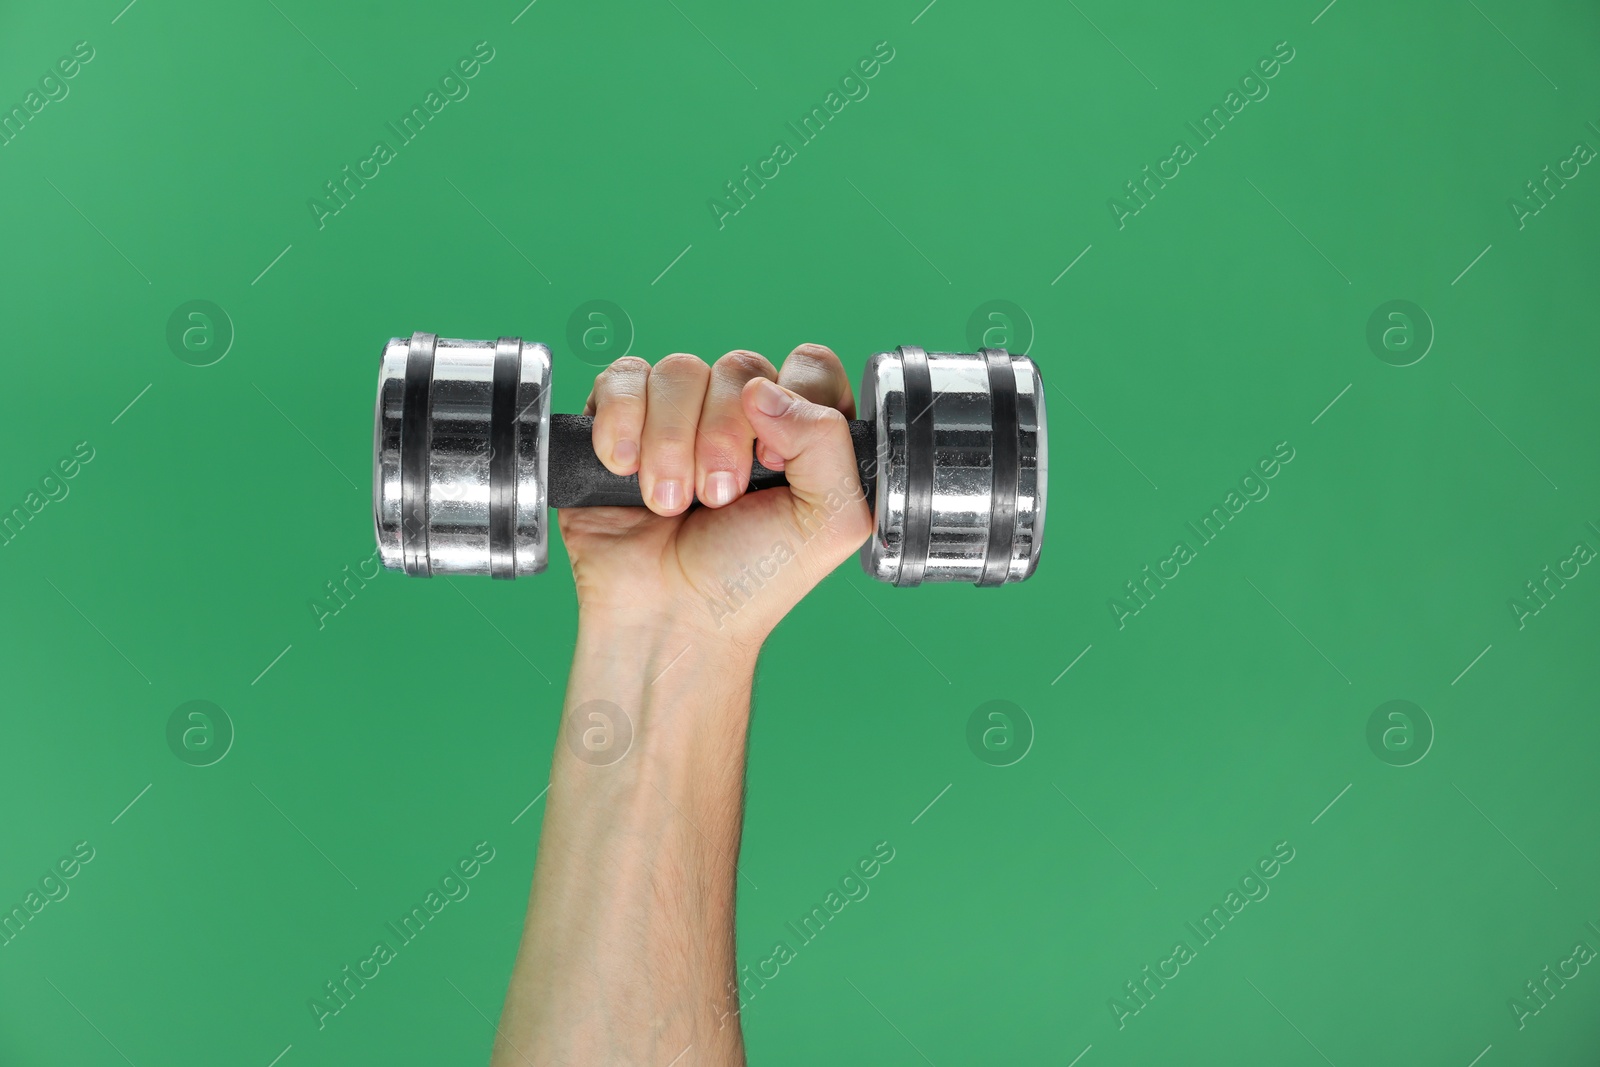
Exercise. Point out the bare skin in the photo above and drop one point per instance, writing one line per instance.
(627, 953)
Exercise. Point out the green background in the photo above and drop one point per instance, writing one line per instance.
(377, 749)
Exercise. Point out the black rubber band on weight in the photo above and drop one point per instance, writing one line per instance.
(503, 458)
(1004, 466)
(416, 441)
(918, 383)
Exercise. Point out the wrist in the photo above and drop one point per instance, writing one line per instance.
(681, 693)
(646, 642)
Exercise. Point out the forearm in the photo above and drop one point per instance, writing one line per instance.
(627, 953)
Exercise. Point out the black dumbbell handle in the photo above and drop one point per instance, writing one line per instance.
(577, 478)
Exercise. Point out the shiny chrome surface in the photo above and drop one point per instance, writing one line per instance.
(963, 485)
(455, 537)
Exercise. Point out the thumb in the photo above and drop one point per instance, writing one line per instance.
(818, 459)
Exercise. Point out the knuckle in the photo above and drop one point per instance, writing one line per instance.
(815, 357)
(682, 363)
(830, 420)
(742, 365)
(624, 378)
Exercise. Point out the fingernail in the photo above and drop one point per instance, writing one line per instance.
(720, 487)
(668, 495)
(625, 453)
(770, 399)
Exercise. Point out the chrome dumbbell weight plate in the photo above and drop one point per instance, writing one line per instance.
(459, 450)
(961, 468)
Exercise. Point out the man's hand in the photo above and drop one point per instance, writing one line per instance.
(734, 567)
(627, 956)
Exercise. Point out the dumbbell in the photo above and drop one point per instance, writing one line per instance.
(468, 459)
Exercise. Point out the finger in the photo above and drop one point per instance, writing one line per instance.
(814, 443)
(723, 447)
(673, 397)
(618, 406)
(815, 373)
